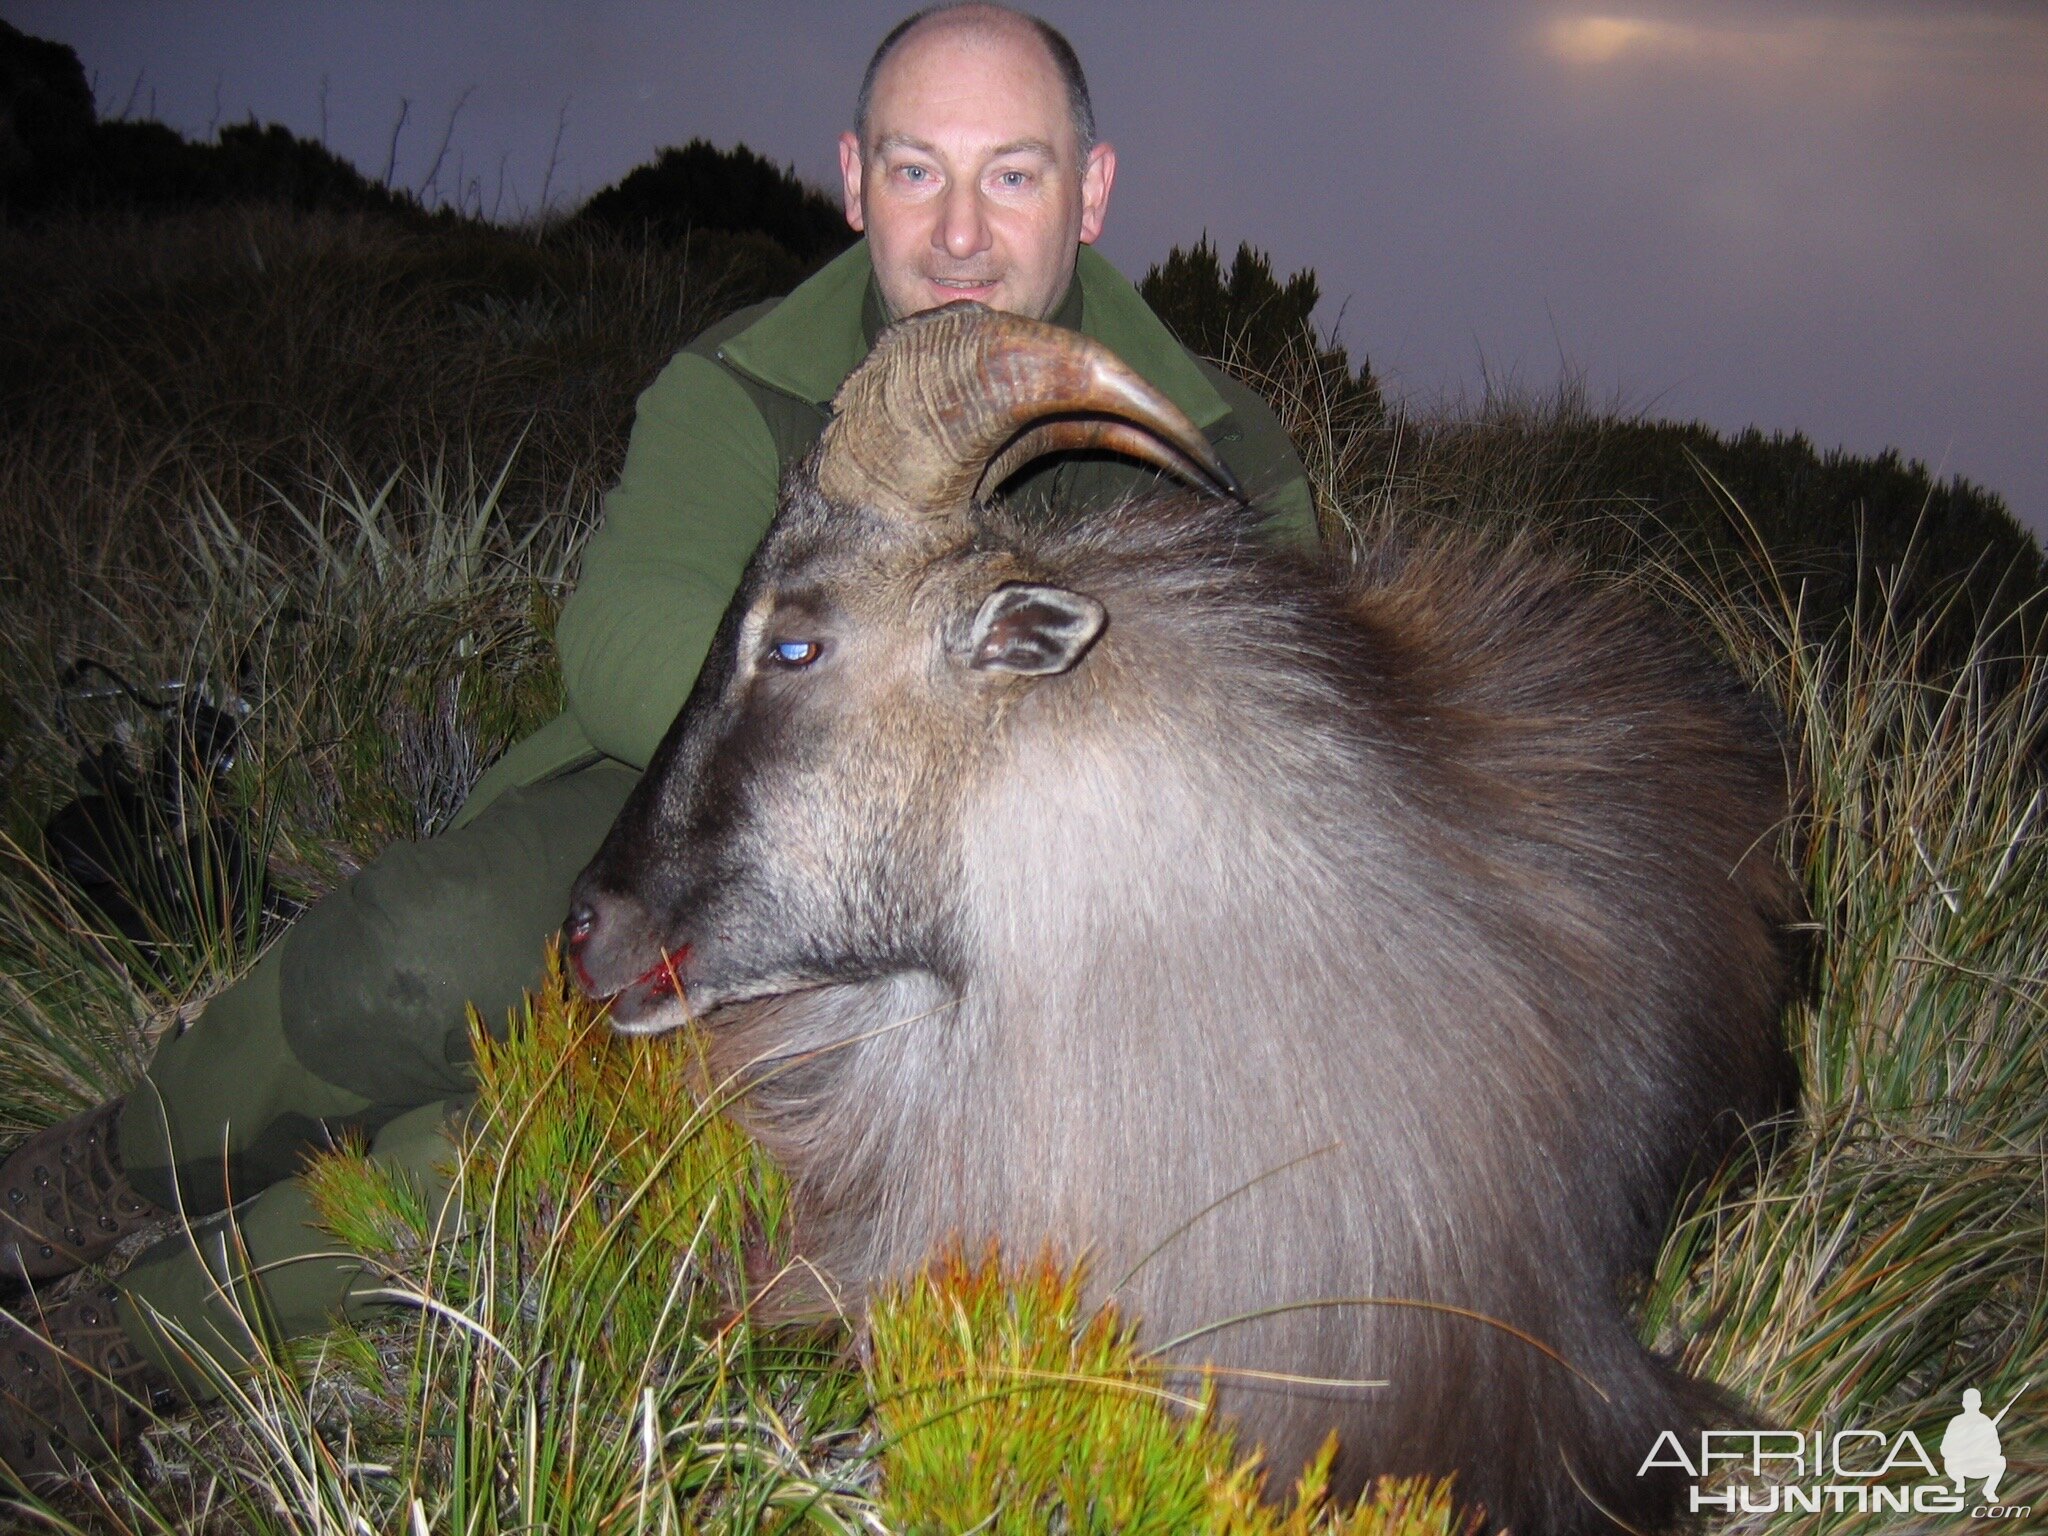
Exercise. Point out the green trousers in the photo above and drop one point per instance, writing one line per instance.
(356, 1021)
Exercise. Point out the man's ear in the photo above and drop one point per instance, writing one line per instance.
(1033, 631)
(850, 167)
(1097, 177)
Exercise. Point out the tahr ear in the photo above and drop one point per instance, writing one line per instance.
(1033, 631)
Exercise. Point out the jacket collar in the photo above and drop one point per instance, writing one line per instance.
(807, 345)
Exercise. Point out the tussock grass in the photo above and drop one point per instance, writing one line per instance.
(1897, 1250)
(351, 500)
(1509, 458)
(387, 641)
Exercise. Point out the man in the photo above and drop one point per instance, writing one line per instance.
(974, 172)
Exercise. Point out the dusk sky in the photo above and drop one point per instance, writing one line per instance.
(1799, 214)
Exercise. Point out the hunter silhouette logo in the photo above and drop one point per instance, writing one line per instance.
(1969, 1446)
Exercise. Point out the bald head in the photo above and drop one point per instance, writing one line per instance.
(978, 20)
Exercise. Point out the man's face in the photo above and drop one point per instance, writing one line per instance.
(971, 184)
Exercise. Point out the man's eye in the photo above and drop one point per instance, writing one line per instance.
(914, 173)
(798, 653)
(1014, 179)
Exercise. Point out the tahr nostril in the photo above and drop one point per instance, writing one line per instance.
(582, 922)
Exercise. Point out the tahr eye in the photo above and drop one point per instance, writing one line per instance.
(798, 653)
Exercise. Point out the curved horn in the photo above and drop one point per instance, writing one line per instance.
(954, 400)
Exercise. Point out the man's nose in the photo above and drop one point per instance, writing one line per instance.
(962, 229)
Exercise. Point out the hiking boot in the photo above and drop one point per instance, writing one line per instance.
(64, 1199)
(74, 1392)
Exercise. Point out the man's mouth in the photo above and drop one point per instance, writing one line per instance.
(964, 287)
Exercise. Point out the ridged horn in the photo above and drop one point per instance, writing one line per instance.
(953, 401)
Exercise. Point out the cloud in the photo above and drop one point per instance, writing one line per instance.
(1603, 39)
(2003, 40)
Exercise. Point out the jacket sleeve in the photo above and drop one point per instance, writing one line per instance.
(695, 497)
(1261, 455)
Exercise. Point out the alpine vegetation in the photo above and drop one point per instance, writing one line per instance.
(1353, 960)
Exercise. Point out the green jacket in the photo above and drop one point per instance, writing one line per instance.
(711, 439)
